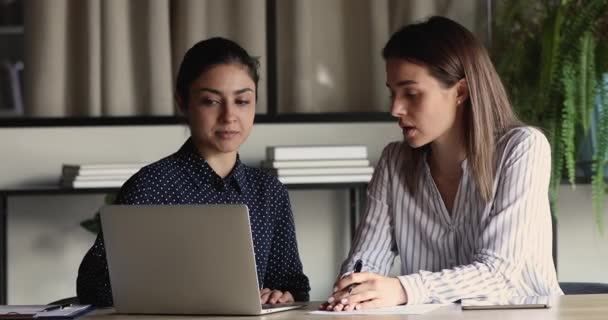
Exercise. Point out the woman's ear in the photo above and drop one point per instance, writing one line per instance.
(462, 91)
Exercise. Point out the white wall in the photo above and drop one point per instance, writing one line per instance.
(582, 252)
(46, 244)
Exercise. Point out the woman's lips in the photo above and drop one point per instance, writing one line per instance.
(228, 134)
(408, 131)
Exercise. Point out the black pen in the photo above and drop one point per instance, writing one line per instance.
(56, 307)
(358, 266)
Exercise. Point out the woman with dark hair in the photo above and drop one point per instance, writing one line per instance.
(217, 91)
(463, 200)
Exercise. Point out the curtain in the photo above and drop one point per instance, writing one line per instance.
(330, 50)
(119, 58)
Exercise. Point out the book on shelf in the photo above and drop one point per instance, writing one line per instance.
(69, 170)
(92, 183)
(123, 177)
(325, 152)
(99, 172)
(322, 171)
(104, 165)
(269, 164)
(325, 178)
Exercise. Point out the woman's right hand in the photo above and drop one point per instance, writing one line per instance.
(365, 290)
(268, 296)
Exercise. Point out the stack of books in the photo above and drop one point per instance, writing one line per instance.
(319, 164)
(97, 175)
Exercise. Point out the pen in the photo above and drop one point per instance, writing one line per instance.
(56, 307)
(358, 266)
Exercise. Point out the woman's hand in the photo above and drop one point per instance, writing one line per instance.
(370, 291)
(275, 296)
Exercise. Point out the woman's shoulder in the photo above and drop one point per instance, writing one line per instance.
(159, 168)
(154, 174)
(523, 135)
(521, 142)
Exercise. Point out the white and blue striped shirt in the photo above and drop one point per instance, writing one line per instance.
(496, 248)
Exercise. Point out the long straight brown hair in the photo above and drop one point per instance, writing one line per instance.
(450, 53)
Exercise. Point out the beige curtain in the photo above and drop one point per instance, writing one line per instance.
(118, 57)
(330, 50)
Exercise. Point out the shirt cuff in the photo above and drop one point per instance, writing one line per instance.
(414, 289)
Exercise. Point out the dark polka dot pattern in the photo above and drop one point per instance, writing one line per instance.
(186, 178)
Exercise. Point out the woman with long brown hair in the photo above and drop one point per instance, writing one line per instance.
(463, 200)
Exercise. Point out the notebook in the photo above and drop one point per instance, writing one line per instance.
(182, 259)
(44, 311)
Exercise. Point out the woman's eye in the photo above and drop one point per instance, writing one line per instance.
(242, 102)
(209, 102)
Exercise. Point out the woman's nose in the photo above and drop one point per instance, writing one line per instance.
(398, 109)
(228, 112)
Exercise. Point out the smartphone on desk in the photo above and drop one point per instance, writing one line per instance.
(488, 303)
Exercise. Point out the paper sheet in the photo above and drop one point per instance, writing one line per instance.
(37, 311)
(411, 309)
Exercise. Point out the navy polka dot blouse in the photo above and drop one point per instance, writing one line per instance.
(186, 178)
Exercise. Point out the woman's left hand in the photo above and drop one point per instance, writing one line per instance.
(275, 296)
(370, 291)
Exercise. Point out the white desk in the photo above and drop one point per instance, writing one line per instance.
(579, 307)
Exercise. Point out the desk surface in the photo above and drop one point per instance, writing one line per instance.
(588, 307)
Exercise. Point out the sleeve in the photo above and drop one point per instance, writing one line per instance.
(519, 218)
(374, 241)
(93, 281)
(285, 270)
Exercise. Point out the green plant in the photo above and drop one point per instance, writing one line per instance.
(552, 56)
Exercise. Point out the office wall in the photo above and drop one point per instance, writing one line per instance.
(582, 251)
(46, 243)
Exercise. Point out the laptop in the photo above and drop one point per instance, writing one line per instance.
(182, 259)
